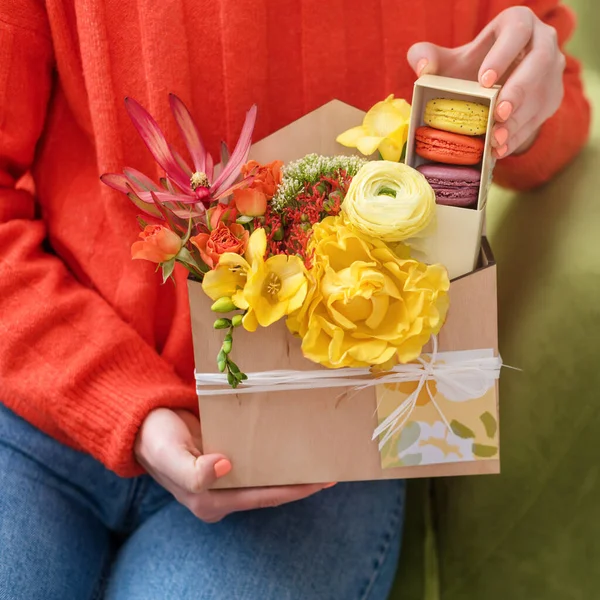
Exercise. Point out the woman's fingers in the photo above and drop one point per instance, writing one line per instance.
(512, 36)
(224, 502)
(524, 134)
(167, 447)
(543, 63)
(532, 93)
(428, 59)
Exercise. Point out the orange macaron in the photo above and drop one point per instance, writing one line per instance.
(450, 148)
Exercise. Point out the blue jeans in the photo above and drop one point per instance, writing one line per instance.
(72, 530)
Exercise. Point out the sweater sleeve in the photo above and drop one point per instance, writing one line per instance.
(68, 363)
(563, 135)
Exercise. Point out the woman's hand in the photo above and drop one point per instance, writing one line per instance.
(518, 50)
(168, 447)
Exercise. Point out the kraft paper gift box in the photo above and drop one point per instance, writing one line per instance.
(326, 434)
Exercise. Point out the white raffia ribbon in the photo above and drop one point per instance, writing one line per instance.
(459, 376)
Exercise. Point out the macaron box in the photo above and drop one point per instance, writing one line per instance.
(449, 143)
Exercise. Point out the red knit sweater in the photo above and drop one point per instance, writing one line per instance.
(90, 342)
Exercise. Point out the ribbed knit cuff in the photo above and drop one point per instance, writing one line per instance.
(104, 407)
(539, 163)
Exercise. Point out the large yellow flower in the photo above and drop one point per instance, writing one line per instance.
(390, 201)
(384, 128)
(267, 289)
(366, 305)
(275, 288)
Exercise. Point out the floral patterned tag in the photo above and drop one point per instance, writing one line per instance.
(425, 439)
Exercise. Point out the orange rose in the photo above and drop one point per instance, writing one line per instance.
(158, 244)
(266, 177)
(250, 202)
(222, 212)
(232, 238)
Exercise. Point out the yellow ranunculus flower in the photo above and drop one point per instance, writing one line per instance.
(267, 289)
(389, 200)
(384, 128)
(366, 306)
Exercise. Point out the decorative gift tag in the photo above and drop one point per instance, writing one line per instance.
(449, 417)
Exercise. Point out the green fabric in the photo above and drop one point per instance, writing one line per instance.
(534, 531)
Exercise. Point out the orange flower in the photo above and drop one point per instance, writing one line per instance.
(224, 238)
(266, 177)
(158, 244)
(250, 202)
(222, 212)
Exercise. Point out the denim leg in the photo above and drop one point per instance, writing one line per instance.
(54, 507)
(341, 544)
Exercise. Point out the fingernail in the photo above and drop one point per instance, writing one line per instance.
(501, 135)
(504, 110)
(222, 467)
(501, 151)
(329, 485)
(421, 65)
(489, 78)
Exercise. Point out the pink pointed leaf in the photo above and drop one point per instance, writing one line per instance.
(167, 214)
(231, 172)
(171, 187)
(181, 162)
(155, 140)
(116, 181)
(149, 209)
(139, 180)
(240, 154)
(167, 197)
(190, 134)
(239, 185)
(210, 167)
(225, 154)
(189, 212)
(184, 214)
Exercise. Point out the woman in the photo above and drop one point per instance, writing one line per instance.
(102, 483)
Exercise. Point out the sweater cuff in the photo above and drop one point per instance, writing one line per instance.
(107, 401)
(535, 166)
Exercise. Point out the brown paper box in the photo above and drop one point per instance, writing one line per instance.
(314, 436)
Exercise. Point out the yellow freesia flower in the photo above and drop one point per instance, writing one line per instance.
(384, 128)
(389, 200)
(275, 288)
(366, 305)
(229, 277)
(267, 289)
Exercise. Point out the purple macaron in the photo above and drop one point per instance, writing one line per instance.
(453, 186)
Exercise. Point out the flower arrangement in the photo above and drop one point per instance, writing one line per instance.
(319, 242)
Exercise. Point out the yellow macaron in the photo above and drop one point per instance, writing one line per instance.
(457, 116)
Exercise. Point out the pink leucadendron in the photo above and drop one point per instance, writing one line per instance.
(185, 192)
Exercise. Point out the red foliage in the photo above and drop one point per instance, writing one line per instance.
(289, 233)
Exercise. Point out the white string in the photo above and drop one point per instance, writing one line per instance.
(459, 376)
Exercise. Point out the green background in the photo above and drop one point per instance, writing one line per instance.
(534, 531)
